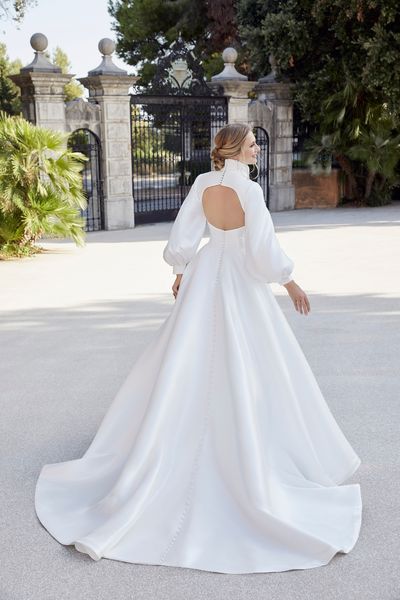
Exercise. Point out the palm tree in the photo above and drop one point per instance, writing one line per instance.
(40, 185)
(379, 150)
(361, 134)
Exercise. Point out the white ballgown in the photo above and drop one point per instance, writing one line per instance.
(219, 451)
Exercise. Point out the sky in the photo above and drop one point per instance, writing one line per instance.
(76, 26)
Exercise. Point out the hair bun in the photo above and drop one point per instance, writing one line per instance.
(228, 143)
(218, 160)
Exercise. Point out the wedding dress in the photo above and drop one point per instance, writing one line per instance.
(219, 451)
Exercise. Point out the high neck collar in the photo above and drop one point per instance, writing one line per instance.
(231, 164)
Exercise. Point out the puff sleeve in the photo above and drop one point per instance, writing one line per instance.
(186, 232)
(264, 259)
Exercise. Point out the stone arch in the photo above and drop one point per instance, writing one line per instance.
(88, 143)
(262, 139)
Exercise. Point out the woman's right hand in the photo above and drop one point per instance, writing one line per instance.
(176, 285)
(299, 297)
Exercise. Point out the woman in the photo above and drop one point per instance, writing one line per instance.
(219, 451)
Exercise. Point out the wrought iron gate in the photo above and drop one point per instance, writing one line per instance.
(174, 120)
(171, 141)
(85, 141)
(262, 139)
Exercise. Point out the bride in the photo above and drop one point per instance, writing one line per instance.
(219, 451)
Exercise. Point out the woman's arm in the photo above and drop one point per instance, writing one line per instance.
(265, 259)
(186, 232)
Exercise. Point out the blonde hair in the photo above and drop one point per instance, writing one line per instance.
(228, 142)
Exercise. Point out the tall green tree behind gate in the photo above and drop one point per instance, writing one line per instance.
(147, 27)
(319, 45)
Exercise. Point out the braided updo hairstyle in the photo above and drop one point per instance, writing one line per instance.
(228, 142)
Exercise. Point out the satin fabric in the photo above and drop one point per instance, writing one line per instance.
(264, 258)
(219, 451)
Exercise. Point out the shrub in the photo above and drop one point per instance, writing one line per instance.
(40, 187)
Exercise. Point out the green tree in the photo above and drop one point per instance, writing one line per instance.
(341, 58)
(15, 9)
(73, 89)
(321, 44)
(40, 186)
(9, 93)
(146, 28)
(361, 134)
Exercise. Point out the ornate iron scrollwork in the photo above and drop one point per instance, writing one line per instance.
(166, 82)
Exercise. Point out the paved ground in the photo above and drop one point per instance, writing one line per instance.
(74, 319)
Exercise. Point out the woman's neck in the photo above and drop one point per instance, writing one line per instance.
(232, 164)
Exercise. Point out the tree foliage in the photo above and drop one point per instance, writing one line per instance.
(341, 57)
(15, 9)
(73, 89)
(9, 93)
(40, 186)
(146, 28)
(362, 135)
(321, 44)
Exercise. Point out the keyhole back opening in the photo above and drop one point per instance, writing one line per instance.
(222, 207)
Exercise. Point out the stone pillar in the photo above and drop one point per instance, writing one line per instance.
(42, 88)
(277, 97)
(109, 88)
(235, 86)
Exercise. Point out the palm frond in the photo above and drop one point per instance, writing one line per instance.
(40, 181)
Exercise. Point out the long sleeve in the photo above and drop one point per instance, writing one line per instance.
(186, 232)
(265, 259)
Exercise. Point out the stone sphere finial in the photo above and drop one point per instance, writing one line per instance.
(39, 42)
(40, 63)
(271, 77)
(229, 55)
(107, 67)
(106, 46)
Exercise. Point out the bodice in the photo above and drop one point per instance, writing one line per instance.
(231, 237)
(264, 258)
